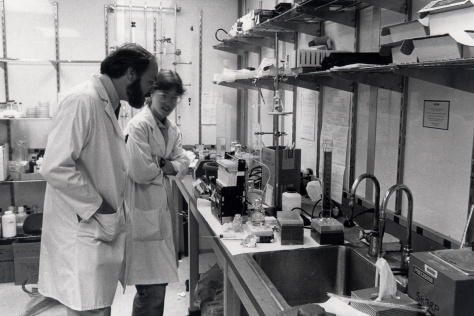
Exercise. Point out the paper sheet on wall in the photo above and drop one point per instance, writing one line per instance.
(308, 116)
(210, 100)
(336, 128)
(337, 108)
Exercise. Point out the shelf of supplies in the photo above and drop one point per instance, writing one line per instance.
(324, 78)
(234, 47)
(457, 74)
(46, 61)
(24, 118)
(280, 113)
(378, 76)
(256, 83)
(21, 181)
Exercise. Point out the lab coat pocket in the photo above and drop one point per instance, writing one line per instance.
(104, 227)
(149, 225)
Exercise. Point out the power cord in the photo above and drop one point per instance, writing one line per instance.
(217, 32)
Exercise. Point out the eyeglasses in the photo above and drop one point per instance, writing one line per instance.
(166, 97)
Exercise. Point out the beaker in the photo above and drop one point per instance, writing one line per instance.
(21, 151)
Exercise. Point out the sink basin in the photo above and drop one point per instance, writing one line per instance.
(302, 276)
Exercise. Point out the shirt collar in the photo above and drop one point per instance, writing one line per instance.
(110, 89)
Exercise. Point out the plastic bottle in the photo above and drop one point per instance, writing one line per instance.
(38, 164)
(9, 224)
(237, 224)
(290, 200)
(20, 219)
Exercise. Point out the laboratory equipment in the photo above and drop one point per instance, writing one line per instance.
(258, 214)
(228, 198)
(327, 230)
(288, 172)
(291, 228)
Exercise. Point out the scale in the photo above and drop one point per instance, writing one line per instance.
(327, 230)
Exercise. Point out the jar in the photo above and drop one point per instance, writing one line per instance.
(290, 200)
(9, 224)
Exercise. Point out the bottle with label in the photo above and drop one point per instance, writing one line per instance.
(9, 224)
(38, 164)
(20, 219)
(32, 165)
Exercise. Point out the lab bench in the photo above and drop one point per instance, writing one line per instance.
(242, 282)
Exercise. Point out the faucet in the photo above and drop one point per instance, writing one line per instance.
(405, 258)
(374, 239)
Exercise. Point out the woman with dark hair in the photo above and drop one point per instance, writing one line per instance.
(154, 146)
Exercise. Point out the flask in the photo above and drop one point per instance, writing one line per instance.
(237, 224)
(20, 219)
(291, 199)
(258, 215)
(9, 224)
(38, 164)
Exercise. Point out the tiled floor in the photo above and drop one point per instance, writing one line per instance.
(14, 301)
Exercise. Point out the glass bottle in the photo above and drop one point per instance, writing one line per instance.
(237, 225)
(258, 215)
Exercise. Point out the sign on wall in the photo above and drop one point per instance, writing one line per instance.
(436, 114)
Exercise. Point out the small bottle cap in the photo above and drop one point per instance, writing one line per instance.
(21, 209)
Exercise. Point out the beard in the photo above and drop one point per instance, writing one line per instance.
(136, 97)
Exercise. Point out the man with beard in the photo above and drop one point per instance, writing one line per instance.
(85, 166)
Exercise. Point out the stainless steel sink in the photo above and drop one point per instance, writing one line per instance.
(305, 275)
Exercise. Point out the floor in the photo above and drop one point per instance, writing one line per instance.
(15, 302)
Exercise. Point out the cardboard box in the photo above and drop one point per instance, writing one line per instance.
(439, 6)
(402, 31)
(26, 257)
(444, 47)
(289, 171)
(4, 157)
(452, 21)
(30, 176)
(399, 57)
(7, 269)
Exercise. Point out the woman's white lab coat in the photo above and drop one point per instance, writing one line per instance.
(85, 161)
(152, 258)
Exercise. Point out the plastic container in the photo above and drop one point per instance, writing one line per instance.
(290, 200)
(9, 224)
(20, 219)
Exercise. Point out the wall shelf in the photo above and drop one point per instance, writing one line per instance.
(267, 83)
(457, 74)
(378, 76)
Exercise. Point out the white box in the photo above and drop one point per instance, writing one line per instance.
(452, 21)
(398, 57)
(4, 157)
(402, 31)
(444, 47)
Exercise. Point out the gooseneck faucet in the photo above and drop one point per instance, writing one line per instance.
(375, 235)
(405, 259)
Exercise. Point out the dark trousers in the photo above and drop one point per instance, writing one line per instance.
(149, 300)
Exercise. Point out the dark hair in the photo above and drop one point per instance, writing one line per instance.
(168, 80)
(128, 55)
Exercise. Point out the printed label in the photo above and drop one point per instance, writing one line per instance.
(422, 274)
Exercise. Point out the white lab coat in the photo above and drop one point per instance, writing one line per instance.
(152, 258)
(85, 161)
